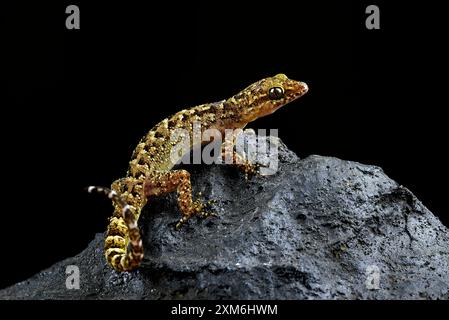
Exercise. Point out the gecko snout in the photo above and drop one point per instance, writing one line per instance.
(299, 89)
(305, 87)
(302, 88)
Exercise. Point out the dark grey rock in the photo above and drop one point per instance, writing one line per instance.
(319, 228)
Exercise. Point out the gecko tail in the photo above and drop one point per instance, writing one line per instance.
(111, 194)
(122, 230)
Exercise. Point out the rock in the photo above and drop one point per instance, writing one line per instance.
(320, 228)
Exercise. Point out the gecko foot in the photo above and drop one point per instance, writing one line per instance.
(206, 210)
(203, 209)
(250, 169)
(199, 208)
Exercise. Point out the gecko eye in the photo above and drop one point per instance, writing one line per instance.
(276, 93)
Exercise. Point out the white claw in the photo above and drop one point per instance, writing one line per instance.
(112, 194)
(125, 208)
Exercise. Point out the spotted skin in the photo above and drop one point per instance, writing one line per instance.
(150, 171)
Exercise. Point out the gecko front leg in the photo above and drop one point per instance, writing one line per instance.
(229, 154)
(177, 180)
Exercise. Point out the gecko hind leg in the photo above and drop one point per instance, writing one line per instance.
(178, 180)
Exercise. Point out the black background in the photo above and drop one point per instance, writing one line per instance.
(78, 101)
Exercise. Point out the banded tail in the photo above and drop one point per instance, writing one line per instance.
(122, 230)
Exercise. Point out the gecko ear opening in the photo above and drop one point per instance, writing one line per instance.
(276, 93)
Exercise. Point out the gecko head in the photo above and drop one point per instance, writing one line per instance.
(266, 96)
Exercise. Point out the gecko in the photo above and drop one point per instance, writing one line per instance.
(151, 174)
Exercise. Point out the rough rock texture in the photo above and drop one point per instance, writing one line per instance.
(319, 228)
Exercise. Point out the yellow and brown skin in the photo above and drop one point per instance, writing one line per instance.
(150, 169)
